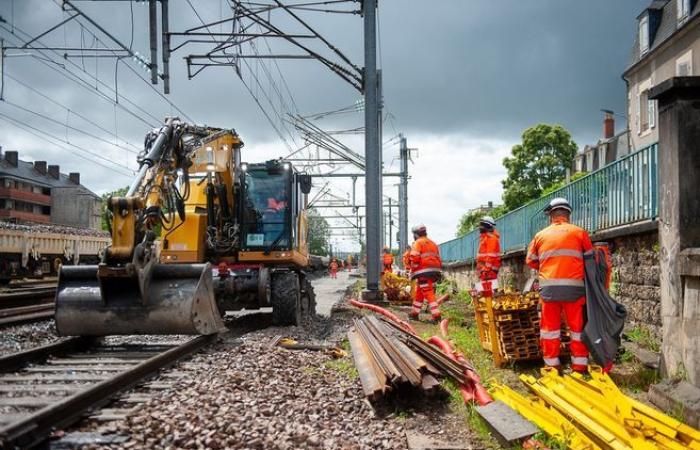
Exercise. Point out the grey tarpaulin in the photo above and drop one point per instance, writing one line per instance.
(606, 317)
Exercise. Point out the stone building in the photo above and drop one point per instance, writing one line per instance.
(611, 147)
(37, 192)
(667, 45)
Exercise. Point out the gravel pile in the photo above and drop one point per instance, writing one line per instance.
(44, 228)
(26, 336)
(246, 395)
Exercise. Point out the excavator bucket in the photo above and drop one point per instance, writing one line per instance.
(176, 299)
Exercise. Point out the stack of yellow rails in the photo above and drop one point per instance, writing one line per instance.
(595, 414)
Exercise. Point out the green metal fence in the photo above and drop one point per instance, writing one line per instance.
(620, 193)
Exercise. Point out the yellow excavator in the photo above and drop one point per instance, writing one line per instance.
(198, 233)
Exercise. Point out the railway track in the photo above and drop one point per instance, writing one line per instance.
(27, 304)
(54, 386)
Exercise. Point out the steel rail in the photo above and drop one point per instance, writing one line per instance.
(35, 428)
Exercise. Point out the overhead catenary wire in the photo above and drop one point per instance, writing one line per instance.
(62, 70)
(58, 122)
(43, 135)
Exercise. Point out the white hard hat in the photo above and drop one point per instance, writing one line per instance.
(420, 228)
(558, 203)
(488, 220)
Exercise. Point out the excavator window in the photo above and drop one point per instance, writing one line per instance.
(267, 209)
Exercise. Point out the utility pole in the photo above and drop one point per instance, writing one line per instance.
(373, 178)
(403, 195)
(391, 222)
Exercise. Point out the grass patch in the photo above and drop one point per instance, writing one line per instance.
(643, 337)
(345, 366)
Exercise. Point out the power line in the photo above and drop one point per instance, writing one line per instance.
(86, 133)
(68, 109)
(71, 76)
(38, 133)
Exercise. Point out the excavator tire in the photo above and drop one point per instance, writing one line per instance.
(286, 299)
(308, 299)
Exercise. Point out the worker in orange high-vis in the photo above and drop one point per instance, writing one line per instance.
(406, 260)
(488, 257)
(557, 253)
(333, 268)
(387, 261)
(426, 268)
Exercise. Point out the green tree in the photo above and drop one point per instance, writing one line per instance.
(117, 193)
(470, 220)
(319, 232)
(536, 164)
(562, 183)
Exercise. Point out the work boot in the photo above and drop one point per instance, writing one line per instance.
(414, 317)
(436, 320)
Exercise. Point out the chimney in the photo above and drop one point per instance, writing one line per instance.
(74, 177)
(12, 158)
(608, 124)
(40, 166)
(54, 171)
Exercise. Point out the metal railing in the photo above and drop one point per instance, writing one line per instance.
(621, 193)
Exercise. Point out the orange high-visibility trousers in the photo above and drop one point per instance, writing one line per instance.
(425, 291)
(550, 333)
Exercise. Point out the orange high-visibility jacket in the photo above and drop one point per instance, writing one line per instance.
(557, 252)
(406, 259)
(489, 254)
(388, 259)
(425, 257)
(334, 265)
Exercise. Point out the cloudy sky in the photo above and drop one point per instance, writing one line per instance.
(462, 79)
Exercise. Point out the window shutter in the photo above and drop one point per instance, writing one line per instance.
(637, 121)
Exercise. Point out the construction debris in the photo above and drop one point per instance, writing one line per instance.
(386, 364)
(397, 289)
(291, 344)
(595, 414)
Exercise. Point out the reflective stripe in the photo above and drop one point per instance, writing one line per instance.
(562, 293)
(561, 252)
(429, 254)
(533, 257)
(423, 285)
(589, 253)
(495, 255)
(429, 270)
(562, 282)
(554, 334)
(579, 360)
(575, 336)
(552, 361)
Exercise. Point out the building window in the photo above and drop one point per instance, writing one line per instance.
(683, 10)
(602, 154)
(644, 34)
(579, 163)
(684, 64)
(644, 109)
(651, 111)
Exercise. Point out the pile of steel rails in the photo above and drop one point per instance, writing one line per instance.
(594, 414)
(27, 304)
(386, 364)
(389, 356)
(51, 387)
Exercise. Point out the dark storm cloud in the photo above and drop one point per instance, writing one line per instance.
(481, 68)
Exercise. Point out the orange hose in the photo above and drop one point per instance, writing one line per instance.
(378, 309)
(480, 393)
